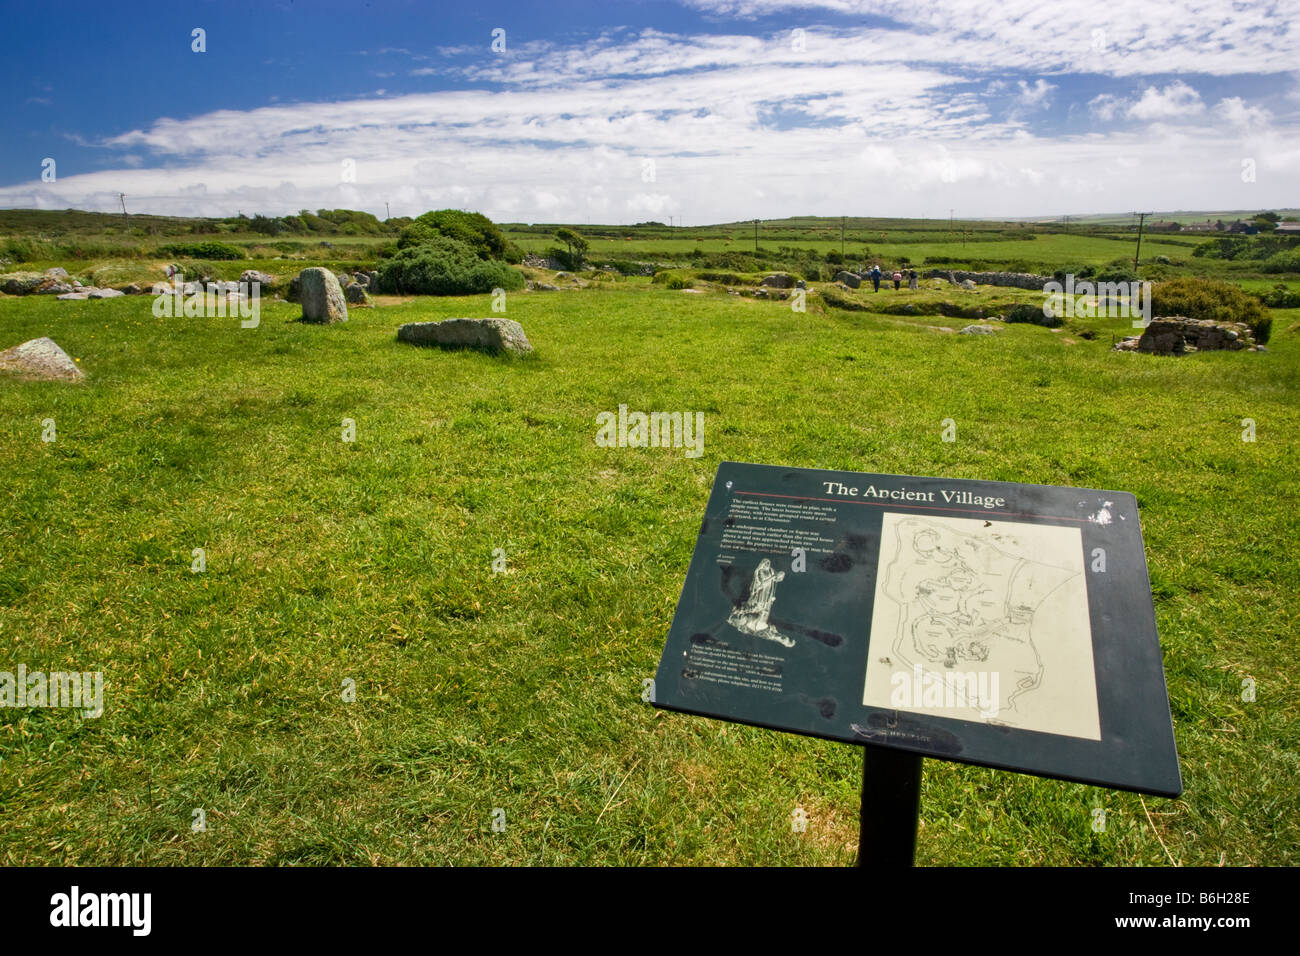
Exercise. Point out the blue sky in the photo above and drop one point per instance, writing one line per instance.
(702, 110)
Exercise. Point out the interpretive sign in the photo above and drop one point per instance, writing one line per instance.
(990, 623)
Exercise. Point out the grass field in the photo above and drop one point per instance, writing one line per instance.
(371, 561)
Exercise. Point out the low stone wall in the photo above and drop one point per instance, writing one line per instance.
(1015, 280)
(1178, 335)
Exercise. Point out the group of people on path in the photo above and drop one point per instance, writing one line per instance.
(876, 275)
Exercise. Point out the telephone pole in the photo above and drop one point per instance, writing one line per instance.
(388, 213)
(122, 197)
(1141, 219)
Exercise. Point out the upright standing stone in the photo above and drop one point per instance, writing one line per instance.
(322, 297)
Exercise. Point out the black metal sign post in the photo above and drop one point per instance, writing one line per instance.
(891, 807)
(1003, 625)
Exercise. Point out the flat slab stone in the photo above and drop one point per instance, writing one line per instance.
(492, 335)
(40, 359)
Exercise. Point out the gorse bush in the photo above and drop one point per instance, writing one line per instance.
(1280, 297)
(443, 266)
(1199, 298)
(201, 250)
(473, 229)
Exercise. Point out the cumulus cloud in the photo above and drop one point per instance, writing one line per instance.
(1174, 100)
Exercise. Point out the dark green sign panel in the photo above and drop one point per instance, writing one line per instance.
(990, 623)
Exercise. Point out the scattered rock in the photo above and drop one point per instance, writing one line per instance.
(779, 280)
(253, 275)
(848, 279)
(800, 284)
(967, 284)
(57, 288)
(355, 294)
(73, 296)
(322, 297)
(133, 289)
(57, 272)
(294, 292)
(977, 330)
(493, 335)
(105, 294)
(543, 287)
(40, 359)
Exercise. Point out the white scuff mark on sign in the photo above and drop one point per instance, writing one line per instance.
(1103, 514)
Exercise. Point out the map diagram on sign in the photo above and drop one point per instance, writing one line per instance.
(984, 621)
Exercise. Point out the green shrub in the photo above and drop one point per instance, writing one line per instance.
(1199, 298)
(1033, 314)
(200, 250)
(444, 266)
(671, 280)
(1116, 274)
(1080, 273)
(1280, 297)
(473, 229)
(1288, 261)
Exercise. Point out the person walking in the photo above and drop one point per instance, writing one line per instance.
(898, 280)
(875, 276)
(911, 280)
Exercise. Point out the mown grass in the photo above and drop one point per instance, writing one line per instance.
(372, 562)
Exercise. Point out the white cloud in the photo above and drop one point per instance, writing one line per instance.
(894, 122)
(1034, 97)
(1234, 111)
(1176, 100)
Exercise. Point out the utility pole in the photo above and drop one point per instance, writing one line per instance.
(950, 220)
(1141, 219)
(755, 237)
(388, 213)
(122, 197)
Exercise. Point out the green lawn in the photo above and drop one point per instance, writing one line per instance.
(371, 562)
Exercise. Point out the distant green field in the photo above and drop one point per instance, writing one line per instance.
(1046, 249)
(370, 562)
